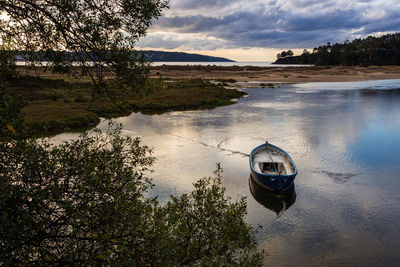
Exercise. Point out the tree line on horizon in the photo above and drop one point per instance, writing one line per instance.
(384, 50)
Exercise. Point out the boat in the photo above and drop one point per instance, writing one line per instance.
(272, 168)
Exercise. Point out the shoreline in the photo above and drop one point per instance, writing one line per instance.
(277, 74)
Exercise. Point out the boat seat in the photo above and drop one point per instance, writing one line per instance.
(273, 168)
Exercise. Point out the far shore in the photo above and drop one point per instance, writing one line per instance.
(279, 74)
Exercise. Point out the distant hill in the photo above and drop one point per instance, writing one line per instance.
(155, 56)
(161, 56)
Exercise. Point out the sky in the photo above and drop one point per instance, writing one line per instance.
(256, 30)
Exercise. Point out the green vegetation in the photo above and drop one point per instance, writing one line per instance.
(283, 54)
(378, 51)
(54, 104)
(85, 203)
(187, 94)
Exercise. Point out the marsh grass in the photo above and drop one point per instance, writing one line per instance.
(187, 94)
(54, 104)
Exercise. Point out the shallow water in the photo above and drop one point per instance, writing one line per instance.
(345, 141)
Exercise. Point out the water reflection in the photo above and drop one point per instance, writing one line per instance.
(337, 177)
(274, 201)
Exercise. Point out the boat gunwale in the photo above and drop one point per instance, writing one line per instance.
(272, 175)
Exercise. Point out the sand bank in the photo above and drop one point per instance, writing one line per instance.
(280, 74)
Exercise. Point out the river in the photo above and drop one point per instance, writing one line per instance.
(345, 141)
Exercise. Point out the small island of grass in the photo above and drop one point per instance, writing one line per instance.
(54, 104)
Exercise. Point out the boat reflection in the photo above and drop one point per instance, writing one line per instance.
(274, 201)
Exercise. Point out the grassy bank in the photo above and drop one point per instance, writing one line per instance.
(54, 104)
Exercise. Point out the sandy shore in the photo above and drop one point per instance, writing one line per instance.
(280, 74)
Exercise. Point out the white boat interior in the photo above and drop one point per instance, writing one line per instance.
(270, 160)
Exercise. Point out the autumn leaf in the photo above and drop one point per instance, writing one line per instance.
(10, 128)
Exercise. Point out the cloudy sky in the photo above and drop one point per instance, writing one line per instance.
(256, 30)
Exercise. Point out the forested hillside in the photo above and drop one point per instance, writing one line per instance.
(383, 50)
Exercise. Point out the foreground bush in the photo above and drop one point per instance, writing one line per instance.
(85, 203)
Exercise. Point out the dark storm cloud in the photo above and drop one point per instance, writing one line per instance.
(278, 23)
(334, 20)
(391, 23)
(237, 22)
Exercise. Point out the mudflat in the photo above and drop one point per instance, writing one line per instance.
(279, 73)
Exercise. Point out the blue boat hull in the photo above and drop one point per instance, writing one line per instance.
(272, 182)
